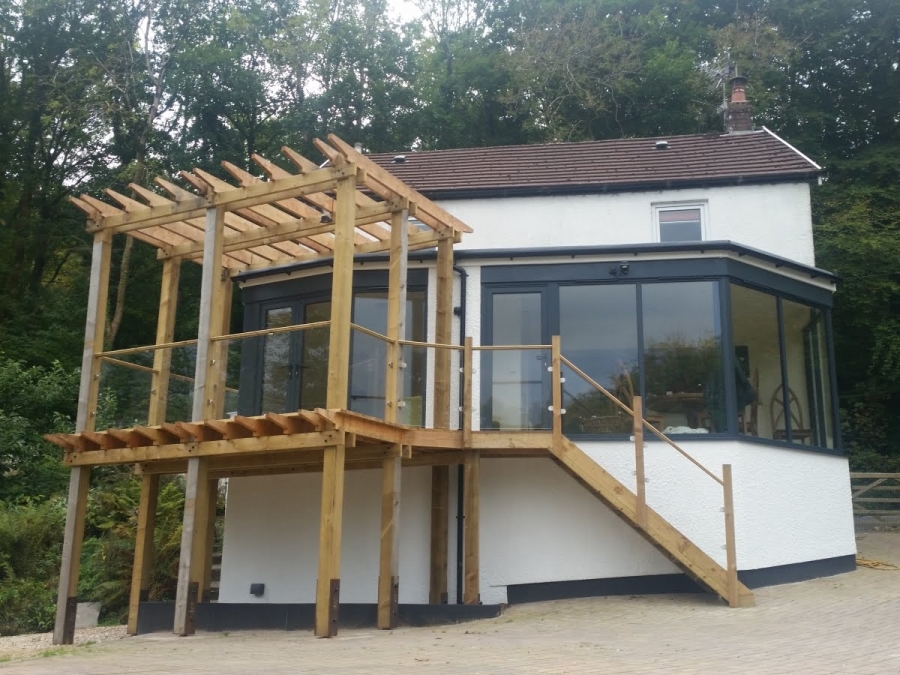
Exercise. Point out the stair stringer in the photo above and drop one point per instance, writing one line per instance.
(696, 563)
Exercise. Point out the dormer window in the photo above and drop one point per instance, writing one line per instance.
(680, 223)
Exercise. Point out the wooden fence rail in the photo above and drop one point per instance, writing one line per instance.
(875, 494)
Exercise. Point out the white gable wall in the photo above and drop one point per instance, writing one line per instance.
(775, 218)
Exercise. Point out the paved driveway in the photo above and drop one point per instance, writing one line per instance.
(844, 624)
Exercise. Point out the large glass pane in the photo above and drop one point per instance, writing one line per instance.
(314, 357)
(517, 396)
(277, 365)
(757, 376)
(683, 357)
(369, 357)
(598, 333)
(808, 405)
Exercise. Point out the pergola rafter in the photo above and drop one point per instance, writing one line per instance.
(284, 218)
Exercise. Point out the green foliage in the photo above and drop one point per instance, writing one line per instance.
(108, 553)
(30, 545)
(33, 401)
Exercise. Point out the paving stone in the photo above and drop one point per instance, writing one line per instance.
(842, 624)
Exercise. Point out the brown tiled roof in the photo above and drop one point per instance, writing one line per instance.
(599, 166)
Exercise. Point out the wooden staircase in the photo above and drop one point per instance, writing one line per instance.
(649, 524)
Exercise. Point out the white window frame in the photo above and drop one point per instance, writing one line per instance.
(659, 207)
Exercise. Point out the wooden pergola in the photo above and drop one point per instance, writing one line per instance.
(349, 206)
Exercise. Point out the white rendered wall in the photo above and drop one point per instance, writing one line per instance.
(774, 218)
(272, 537)
(539, 525)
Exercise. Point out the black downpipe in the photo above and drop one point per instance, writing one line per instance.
(460, 473)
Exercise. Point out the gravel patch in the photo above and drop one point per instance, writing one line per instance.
(23, 646)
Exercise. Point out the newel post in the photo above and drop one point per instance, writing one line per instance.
(639, 471)
(730, 544)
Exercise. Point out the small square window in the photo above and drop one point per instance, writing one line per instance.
(680, 224)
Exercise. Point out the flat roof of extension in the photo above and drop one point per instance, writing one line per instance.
(617, 165)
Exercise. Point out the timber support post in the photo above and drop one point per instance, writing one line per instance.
(144, 552)
(143, 549)
(328, 585)
(389, 558)
(79, 479)
(192, 563)
(440, 475)
(471, 499)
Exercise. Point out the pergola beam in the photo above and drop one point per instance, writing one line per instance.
(235, 198)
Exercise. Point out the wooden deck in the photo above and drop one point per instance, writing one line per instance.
(298, 443)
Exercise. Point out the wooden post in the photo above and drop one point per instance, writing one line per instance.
(443, 334)
(220, 347)
(467, 393)
(165, 332)
(196, 497)
(143, 549)
(639, 474)
(328, 585)
(440, 532)
(389, 562)
(440, 475)
(193, 536)
(204, 577)
(471, 591)
(79, 479)
(396, 318)
(210, 315)
(556, 394)
(730, 544)
(341, 295)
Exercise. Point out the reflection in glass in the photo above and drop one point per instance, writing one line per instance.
(314, 357)
(368, 361)
(276, 361)
(518, 399)
(757, 376)
(598, 333)
(683, 356)
(808, 404)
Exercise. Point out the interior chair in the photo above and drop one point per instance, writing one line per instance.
(799, 433)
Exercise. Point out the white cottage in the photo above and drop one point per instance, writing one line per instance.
(621, 381)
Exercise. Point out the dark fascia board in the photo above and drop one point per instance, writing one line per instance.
(700, 247)
(607, 188)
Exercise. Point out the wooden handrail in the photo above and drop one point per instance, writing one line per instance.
(272, 331)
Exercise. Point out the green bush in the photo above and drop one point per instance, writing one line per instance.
(30, 546)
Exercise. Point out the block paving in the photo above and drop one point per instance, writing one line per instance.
(843, 624)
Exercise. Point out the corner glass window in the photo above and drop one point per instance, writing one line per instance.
(757, 360)
(804, 415)
(683, 365)
(684, 224)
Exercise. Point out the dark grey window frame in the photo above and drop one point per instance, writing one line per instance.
(300, 292)
(723, 271)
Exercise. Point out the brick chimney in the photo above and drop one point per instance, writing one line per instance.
(739, 117)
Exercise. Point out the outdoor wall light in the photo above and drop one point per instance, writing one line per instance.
(257, 590)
